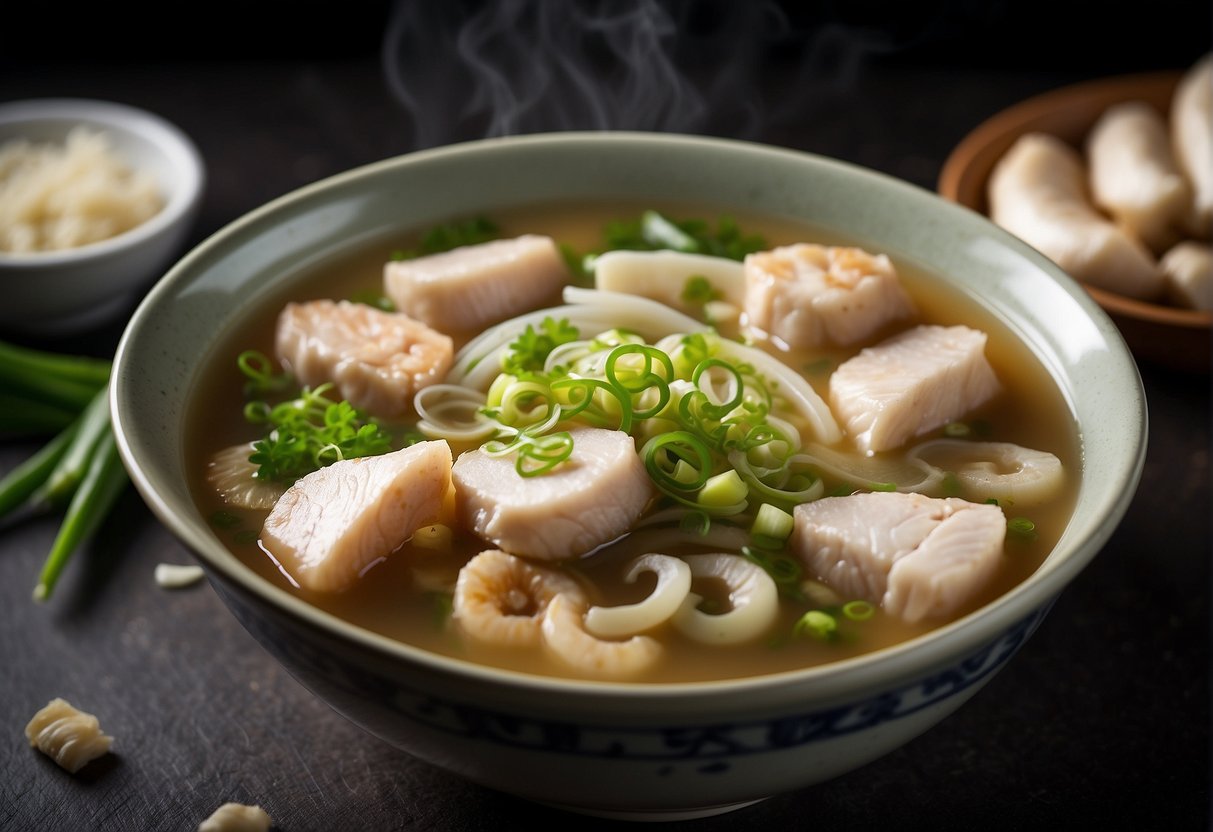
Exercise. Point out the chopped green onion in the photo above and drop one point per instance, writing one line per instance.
(858, 610)
(261, 373)
(535, 454)
(695, 522)
(817, 624)
(1022, 528)
(224, 520)
(442, 606)
(682, 446)
(699, 291)
(957, 430)
(772, 522)
(378, 300)
(950, 485)
(724, 489)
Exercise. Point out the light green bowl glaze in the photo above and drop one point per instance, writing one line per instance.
(615, 748)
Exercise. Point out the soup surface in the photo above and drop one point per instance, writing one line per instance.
(407, 594)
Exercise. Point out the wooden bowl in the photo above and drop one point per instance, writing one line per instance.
(1160, 334)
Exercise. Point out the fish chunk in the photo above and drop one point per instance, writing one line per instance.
(918, 557)
(468, 288)
(589, 499)
(665, 276)
(910, 384)
(334, 524)
(377, 360)
(808, 295)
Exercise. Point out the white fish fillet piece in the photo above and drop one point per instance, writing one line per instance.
(591, 498)
(1189, 270)
(1192, 139)
(1135, 177)
(468, 288)
(808, 295)
(376, 359)
(918, 557)
(912, 383)
(1038, 192)
(333, 524)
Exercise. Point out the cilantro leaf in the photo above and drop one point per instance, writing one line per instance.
(530, 350)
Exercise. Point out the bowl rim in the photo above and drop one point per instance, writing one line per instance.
(179, 149)
(1012, 119)
(902, 661)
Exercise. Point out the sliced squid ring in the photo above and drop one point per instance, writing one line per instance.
(673, 585)
(753, 599)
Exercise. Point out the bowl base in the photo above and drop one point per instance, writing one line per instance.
(657, 815)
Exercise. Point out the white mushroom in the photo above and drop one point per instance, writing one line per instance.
(565, 637)
(753, 601)
(234, 477)
(673, 585)
(1000, 470)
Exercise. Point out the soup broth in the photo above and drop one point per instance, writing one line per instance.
(407, 596)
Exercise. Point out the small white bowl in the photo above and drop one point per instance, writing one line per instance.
(70, 290)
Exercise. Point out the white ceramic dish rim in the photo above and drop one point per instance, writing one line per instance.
(893, 665)
(177, 147)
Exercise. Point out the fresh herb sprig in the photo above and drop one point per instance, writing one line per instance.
(451, 235)
(529, 352)
(653, 231)
(306, 432)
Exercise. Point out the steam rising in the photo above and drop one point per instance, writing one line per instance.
(525, 66)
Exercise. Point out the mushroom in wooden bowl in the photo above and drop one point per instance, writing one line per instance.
(1049, 149)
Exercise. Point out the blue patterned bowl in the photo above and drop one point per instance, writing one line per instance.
(629, 750)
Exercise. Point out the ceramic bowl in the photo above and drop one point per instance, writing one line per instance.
(72, 289)
(1160, 334)
(628, 750)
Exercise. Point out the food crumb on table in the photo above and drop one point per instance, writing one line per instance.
(70, 737)
(178, 576)
(236, 817)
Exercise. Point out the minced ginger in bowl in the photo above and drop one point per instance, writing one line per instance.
(57, 196)
(96, 199)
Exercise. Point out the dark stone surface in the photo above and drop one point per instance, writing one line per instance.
(1101, 721)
